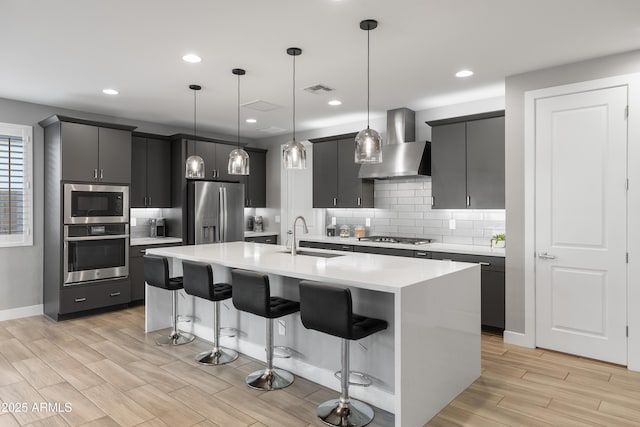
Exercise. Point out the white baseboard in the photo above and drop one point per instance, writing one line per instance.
(517, 338)
(17, 313)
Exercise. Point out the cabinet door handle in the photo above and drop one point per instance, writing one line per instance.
(335, 201)
(346, 248)
(468, 200)
(145, 200)
(80, 299)
(95, 174)
(359, 201)
(114, 294)
(101, 173)
(421, 254)
(485, 264)
(143, 252)
(149, 200)
(267, 240)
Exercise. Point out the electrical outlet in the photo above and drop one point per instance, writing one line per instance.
(452, 224)
(277, 219)
(367, 222)
(282, 327)
(132, 221)
(333, 220)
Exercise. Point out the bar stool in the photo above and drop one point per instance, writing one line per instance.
(156, 273)
(329, 309)
(198, 281)
(251, 293)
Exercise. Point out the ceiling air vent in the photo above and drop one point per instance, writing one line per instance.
(318, 89)
(272, 129)
(260, 105)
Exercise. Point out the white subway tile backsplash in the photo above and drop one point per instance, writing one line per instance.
(403, 208)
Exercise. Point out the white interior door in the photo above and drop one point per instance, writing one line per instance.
(581, 224)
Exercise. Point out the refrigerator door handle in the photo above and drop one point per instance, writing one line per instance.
(225, 225)
(220, 215)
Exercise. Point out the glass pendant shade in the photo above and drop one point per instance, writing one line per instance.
(194, 167)
(238, 162)
(294, 156)
(368, 147)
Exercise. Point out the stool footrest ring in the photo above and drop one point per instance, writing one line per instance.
(356, 378)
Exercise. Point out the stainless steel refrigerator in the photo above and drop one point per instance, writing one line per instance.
(215, 212)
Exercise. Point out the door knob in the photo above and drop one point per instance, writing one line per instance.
(544, 255)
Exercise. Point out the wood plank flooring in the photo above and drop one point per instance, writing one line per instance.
(113, 374)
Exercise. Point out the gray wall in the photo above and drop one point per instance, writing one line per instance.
(516, 86)
(21, 267)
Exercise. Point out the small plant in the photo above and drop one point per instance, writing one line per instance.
(499, 241)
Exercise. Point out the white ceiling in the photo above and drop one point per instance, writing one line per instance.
(65, 52)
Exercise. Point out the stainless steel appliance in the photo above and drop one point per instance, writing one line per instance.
(391, 239)
(96, 204)
(258, 224)
(95, 252)
(215, 212)
(157, 226)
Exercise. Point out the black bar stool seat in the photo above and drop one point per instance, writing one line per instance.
(329, 309)
(251, 293)
(156, 273)
(198, 281)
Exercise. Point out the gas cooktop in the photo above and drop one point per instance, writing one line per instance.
(391, 239)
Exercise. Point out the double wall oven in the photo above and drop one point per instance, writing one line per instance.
(96, 233)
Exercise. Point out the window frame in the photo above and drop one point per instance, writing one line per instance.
(26, 237)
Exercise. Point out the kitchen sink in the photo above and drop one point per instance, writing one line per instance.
(318, 254)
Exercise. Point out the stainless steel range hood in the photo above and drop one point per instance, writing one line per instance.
(401, 155)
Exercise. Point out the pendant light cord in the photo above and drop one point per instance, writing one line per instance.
(368, 78)
(294, 97)
(194, 113)
(238, 110)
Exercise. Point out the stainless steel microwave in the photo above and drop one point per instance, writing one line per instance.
(96, 204)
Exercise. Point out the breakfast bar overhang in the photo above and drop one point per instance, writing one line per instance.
(429, 354)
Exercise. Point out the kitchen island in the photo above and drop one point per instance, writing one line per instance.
(428, 355)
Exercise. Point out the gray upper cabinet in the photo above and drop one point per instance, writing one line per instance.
(448, 166)
(222, 162)
(151, 172)
(335, 175)
(467, 162)
(93, 153)
(485, 163)
(256, 182)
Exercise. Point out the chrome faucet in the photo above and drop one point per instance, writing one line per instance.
(304, 228)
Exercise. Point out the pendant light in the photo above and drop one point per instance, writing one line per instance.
(294, 155)
(238, 158)
(195, 165)
(368, 141)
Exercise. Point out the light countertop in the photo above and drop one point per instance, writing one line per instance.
(145, 241)
(366, 271)
(260, 234)
(433, 247)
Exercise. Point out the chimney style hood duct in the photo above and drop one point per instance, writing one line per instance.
(401, 155)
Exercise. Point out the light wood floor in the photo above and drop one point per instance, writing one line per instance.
(113, 374)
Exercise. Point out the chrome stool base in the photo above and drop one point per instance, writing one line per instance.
(274, 379)
(221, 356)
(177, 338)
(353, 414)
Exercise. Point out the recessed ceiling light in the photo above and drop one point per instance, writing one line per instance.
(191, 57)
(110, 91)
(251, 121)
(464, 73)
(335, 102)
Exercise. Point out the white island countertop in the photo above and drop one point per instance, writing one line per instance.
(146, 241)
(429, 247)
(365, 271)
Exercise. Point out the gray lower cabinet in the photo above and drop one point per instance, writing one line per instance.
(92, 153)
(467, 162)
(492, 285)
(335, 175)
(136, 269)
(87, 297)
(150, 172)
(329, 246)
(384, 251)
(271, 240)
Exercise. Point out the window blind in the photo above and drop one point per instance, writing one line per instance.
(15, 185)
